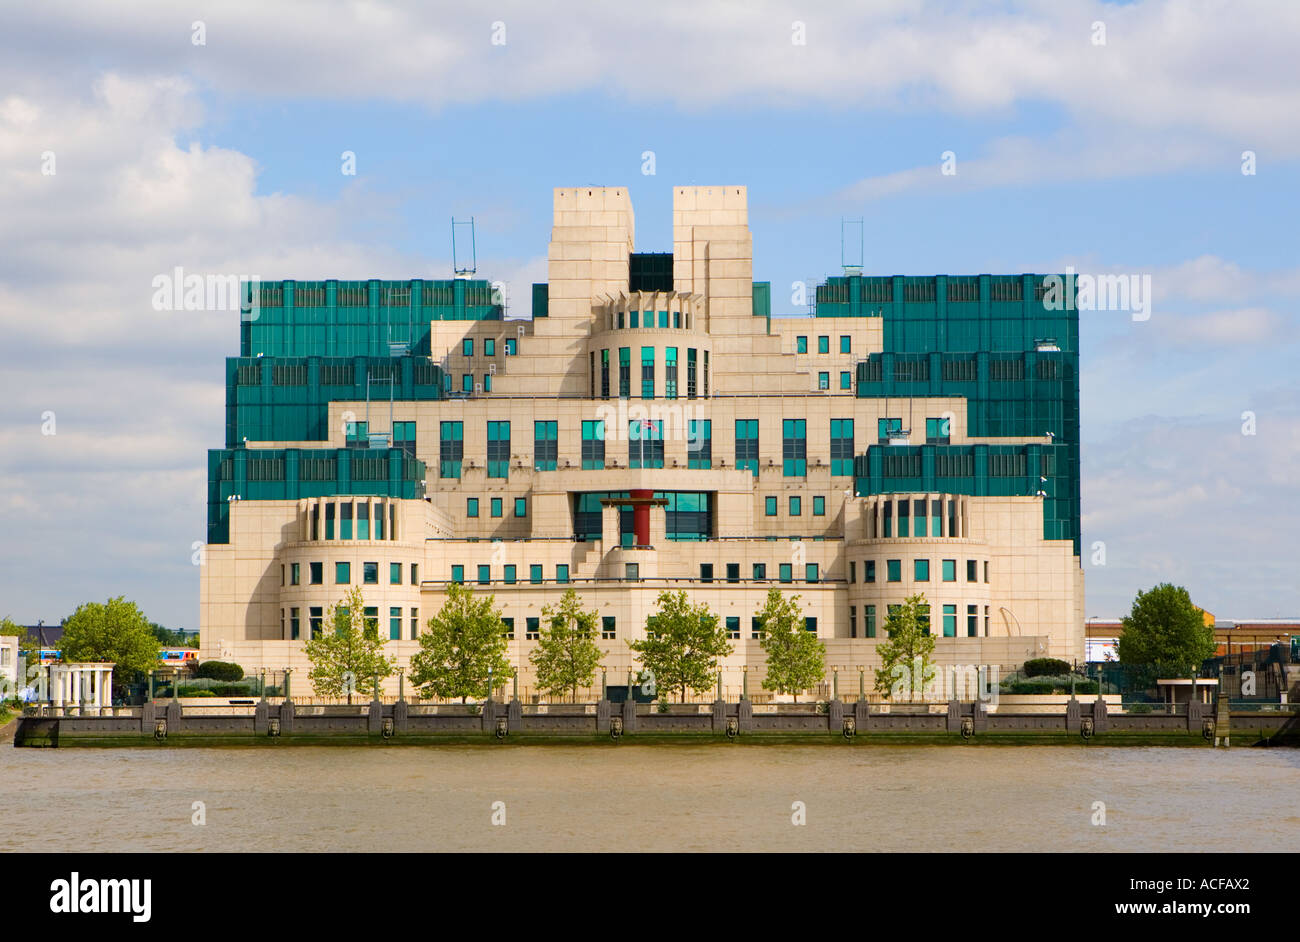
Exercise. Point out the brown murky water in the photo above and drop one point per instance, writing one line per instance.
(650, 798)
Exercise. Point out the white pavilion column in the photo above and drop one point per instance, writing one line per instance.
(56, 686)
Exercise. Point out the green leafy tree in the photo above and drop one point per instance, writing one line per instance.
(463, 654)
(1165, 633)
(9, 627)
(115, 631)
(683, 644)
(349, 658)
(566, 656)
(906, 655)
(796, 657)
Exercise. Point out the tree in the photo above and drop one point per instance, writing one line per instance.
(352, 655)
(9, 627)
(115, 631)
(567, 655)
(1166, 633)
(682, 645)
(907, 666)
(463, 654)
(796, 658)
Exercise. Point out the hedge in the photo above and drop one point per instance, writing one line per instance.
(220, 670)
(1044, 666)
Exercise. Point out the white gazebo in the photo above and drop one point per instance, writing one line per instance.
(88, 685)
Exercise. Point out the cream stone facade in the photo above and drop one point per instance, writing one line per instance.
(506, 514)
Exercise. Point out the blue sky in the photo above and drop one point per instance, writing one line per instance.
(1122, 157)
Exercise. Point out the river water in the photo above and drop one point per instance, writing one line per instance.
(650, 798)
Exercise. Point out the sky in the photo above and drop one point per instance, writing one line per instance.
(1152, 139)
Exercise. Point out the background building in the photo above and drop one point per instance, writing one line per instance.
(652, 427)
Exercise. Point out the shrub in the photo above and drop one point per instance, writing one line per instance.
(1041, 666)
(194, 692)
(1139, 708)
(220, 670)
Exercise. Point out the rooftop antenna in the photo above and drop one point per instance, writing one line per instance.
(851, 245)
(460, 269)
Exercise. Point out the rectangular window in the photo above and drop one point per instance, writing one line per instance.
(471, 506)
(787, 572)
(645, 443)
(846, 379)
(819, 506)
(950, 621)
(853, 621)
(510, 346)
(624, 372)
(593, 445)
(532, 628)
(800, 344)
(634, 319)
(293, 624)
(521, 506)
(370, 573)
(345, 521)
(812, 572)
(770, 506)
(823, 344)
(972, 621)
(733, 626)
(823, 380)
(755, 628)
(489, 347)
(846, 344)
(904, 518)
(509, 628)
(467, 347)
(706, 572)
(869, 622)
(415, 623)
(796, 506)
(315, 615)
(733, 572)
(986, 621)
(467, 382)
(794, 448)
(937, 432)
(699, 444)
(484, 575)
(535, 574)
(497, 507)
(451, 448)
(950, 570)
(886, 428)
(747, 445)
(294, 573)
(690, 372)
(342, 573)
(893, 570)
(608, 627)
(498, 449)
(869, 570)
(394, 573)
(986, 570)
(458, 574)
(509, 577)
(921, 570)
(487, 382)
(647, 372)
(317, 571)
(853, 572)
(918, 518)
(663, 319)
(810, 624)
(395, 623)
(972, 570)
(670, 371)
(760, 570)
(604, 374)
(562, 574)
(631, 572)
(545, 445)
(415, 573)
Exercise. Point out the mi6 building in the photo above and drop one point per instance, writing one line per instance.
(652, 427)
